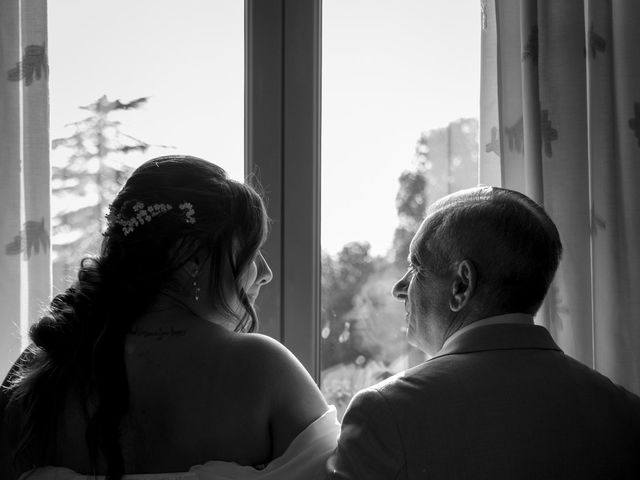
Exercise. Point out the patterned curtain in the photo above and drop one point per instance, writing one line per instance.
(25, 271)
(560, 121)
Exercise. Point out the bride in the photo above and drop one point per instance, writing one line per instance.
(148, 364)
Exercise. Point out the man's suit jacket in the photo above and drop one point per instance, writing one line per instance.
(499, 402)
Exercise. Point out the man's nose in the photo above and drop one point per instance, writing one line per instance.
(265, 275)
(400, 288)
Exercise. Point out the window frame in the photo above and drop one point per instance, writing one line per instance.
(282, 152)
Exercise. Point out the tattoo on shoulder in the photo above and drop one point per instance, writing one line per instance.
(159, 333)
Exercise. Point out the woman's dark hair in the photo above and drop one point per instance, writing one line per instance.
(79, 343)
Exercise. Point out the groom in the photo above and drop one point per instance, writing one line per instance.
(498, 399)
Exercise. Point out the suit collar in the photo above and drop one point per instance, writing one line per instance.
(505, 318)
(504, 336)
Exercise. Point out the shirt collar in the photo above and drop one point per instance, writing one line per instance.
(512, 318)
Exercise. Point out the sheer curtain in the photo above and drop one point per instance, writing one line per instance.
(25, 272)
(560, 121)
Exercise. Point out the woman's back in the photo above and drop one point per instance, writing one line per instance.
(199, 392)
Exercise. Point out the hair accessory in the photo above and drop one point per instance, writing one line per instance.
(189, 212)
(144, 214)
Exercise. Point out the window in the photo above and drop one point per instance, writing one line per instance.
(400, 101)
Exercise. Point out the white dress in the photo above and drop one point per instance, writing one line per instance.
(304, 459)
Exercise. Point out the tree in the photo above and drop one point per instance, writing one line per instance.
(342, 277)
(411, 205)
(379, 331)
(85, 181)
(449, 157)
(446, 161)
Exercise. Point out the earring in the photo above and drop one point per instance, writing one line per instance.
(196, 287)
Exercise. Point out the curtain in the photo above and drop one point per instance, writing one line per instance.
(25, 271)
(560, 122)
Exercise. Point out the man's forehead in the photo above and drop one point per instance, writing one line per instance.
(418, 242)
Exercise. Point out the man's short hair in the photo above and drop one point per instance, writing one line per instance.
(513, 244)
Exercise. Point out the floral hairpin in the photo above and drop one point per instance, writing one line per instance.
(189, 212)
(144, 214)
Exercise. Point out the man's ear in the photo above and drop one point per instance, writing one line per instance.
(464, 285)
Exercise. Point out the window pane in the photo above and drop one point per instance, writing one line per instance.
(399, 130)
(186, 59)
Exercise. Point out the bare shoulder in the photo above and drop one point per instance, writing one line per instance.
(294, 399)
(265, 351)
(277, 366)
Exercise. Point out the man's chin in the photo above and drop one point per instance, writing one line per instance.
(414, 340)
(411, 336)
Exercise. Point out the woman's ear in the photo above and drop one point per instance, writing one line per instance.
(464, 285)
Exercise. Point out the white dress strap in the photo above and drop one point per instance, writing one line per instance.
(305, 458)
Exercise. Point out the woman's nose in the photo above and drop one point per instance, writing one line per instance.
(265, 275)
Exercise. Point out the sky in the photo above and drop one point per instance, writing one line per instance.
(390, 70)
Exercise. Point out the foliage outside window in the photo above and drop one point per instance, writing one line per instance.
(86, 179)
